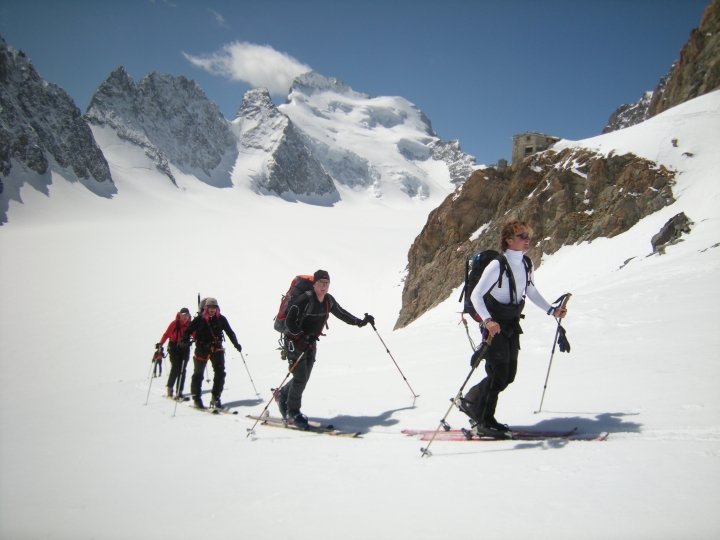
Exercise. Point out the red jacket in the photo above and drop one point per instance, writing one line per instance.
(175, 330)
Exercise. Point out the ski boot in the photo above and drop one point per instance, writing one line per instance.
(300, 421)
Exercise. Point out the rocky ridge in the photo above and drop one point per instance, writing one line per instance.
(695, 73)
(171, 119)
(567, 197)
(41, 126)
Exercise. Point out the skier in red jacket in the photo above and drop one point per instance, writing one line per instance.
(179, 357)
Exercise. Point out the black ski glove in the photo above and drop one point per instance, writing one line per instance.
(238, 347)
(476, 358)
(368, 319)
(562, 340)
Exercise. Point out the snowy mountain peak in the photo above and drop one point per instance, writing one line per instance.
(255, 103)
(171, 119)
(312, 82)
(41, 131)
(385, 144)
(325, 143)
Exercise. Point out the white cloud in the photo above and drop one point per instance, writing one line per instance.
(219, 19)
(256, 65)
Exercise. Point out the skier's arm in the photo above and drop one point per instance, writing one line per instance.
(534, 295)
(190, 329)
(487, 281)
(167, 333)
(345, 316)
(230, 334)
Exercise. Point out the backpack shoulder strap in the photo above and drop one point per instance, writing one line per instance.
(505, 265)
(504, 268)
(528, 267)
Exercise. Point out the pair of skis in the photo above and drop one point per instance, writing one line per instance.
(464, 434)
(313, 427)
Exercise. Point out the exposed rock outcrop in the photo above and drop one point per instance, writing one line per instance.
(671, 232)
(566, 197)
(695, 73)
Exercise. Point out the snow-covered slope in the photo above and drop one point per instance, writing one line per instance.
(93, 283)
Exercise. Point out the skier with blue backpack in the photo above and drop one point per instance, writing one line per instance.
(497, 301)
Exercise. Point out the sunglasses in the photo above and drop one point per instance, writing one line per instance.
(523, 236)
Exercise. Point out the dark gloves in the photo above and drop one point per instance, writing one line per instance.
(476, 357)
(368, 319)
(562, 340)
(238, 347)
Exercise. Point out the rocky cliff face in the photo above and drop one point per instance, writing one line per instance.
(40, 127)
(695, 73)
(567, 197)
(629, 114)
(171, 119)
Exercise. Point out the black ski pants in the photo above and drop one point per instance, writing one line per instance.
(179, 359)
(501, 361)
(217, 359)
(292, 392)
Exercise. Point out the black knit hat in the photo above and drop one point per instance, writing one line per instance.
(321, 274)
(185, 310)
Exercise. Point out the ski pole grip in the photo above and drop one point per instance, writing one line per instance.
(565, 300)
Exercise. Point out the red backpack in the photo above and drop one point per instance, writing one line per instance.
(299, 285)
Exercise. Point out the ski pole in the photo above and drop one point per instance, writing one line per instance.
(251, 431)
(152, 366)
(563, 302)
(454, 401)
(257, 394)
(158, 350)
(393, 359)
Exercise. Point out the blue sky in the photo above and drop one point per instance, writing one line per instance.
(481, 70)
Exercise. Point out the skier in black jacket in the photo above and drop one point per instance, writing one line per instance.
(305, 320)
(208, 329)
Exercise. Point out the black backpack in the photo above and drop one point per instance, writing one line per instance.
(474, 267)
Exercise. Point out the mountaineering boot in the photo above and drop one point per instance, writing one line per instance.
(169, 391)
(465, 408)
(281, 399)
(215, 403)
(484, 430)
(197, 402)
(300, 421)
(494, 424)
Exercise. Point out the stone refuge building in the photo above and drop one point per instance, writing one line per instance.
(525, 144)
